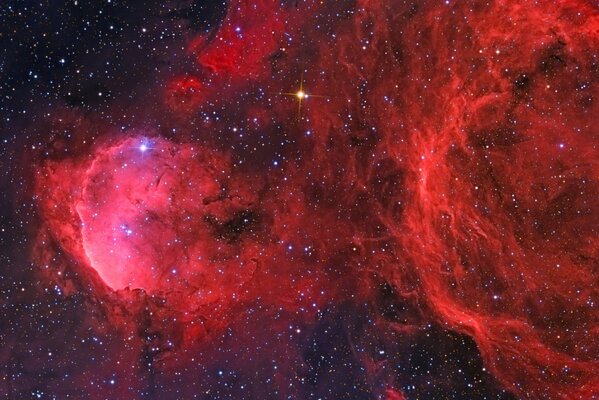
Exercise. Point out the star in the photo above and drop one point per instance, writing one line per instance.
(143, 147)
(301, 95)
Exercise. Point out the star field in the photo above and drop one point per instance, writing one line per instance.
(299, 200)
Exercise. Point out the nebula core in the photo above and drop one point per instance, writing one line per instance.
(142, 212)
(306, 200)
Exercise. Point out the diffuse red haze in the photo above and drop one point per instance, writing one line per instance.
(250, 33)
(488, 144)
(184, 94)
(455, 159)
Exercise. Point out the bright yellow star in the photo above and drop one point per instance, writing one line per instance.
(301, 95)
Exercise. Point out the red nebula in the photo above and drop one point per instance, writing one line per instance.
(392, 394)
(454, 159)
(145, 214)
(250, 32)
(253, 35)
(184, 94)
(466, 167)
(160, 231)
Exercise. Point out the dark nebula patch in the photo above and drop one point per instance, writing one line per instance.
(299, 200)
